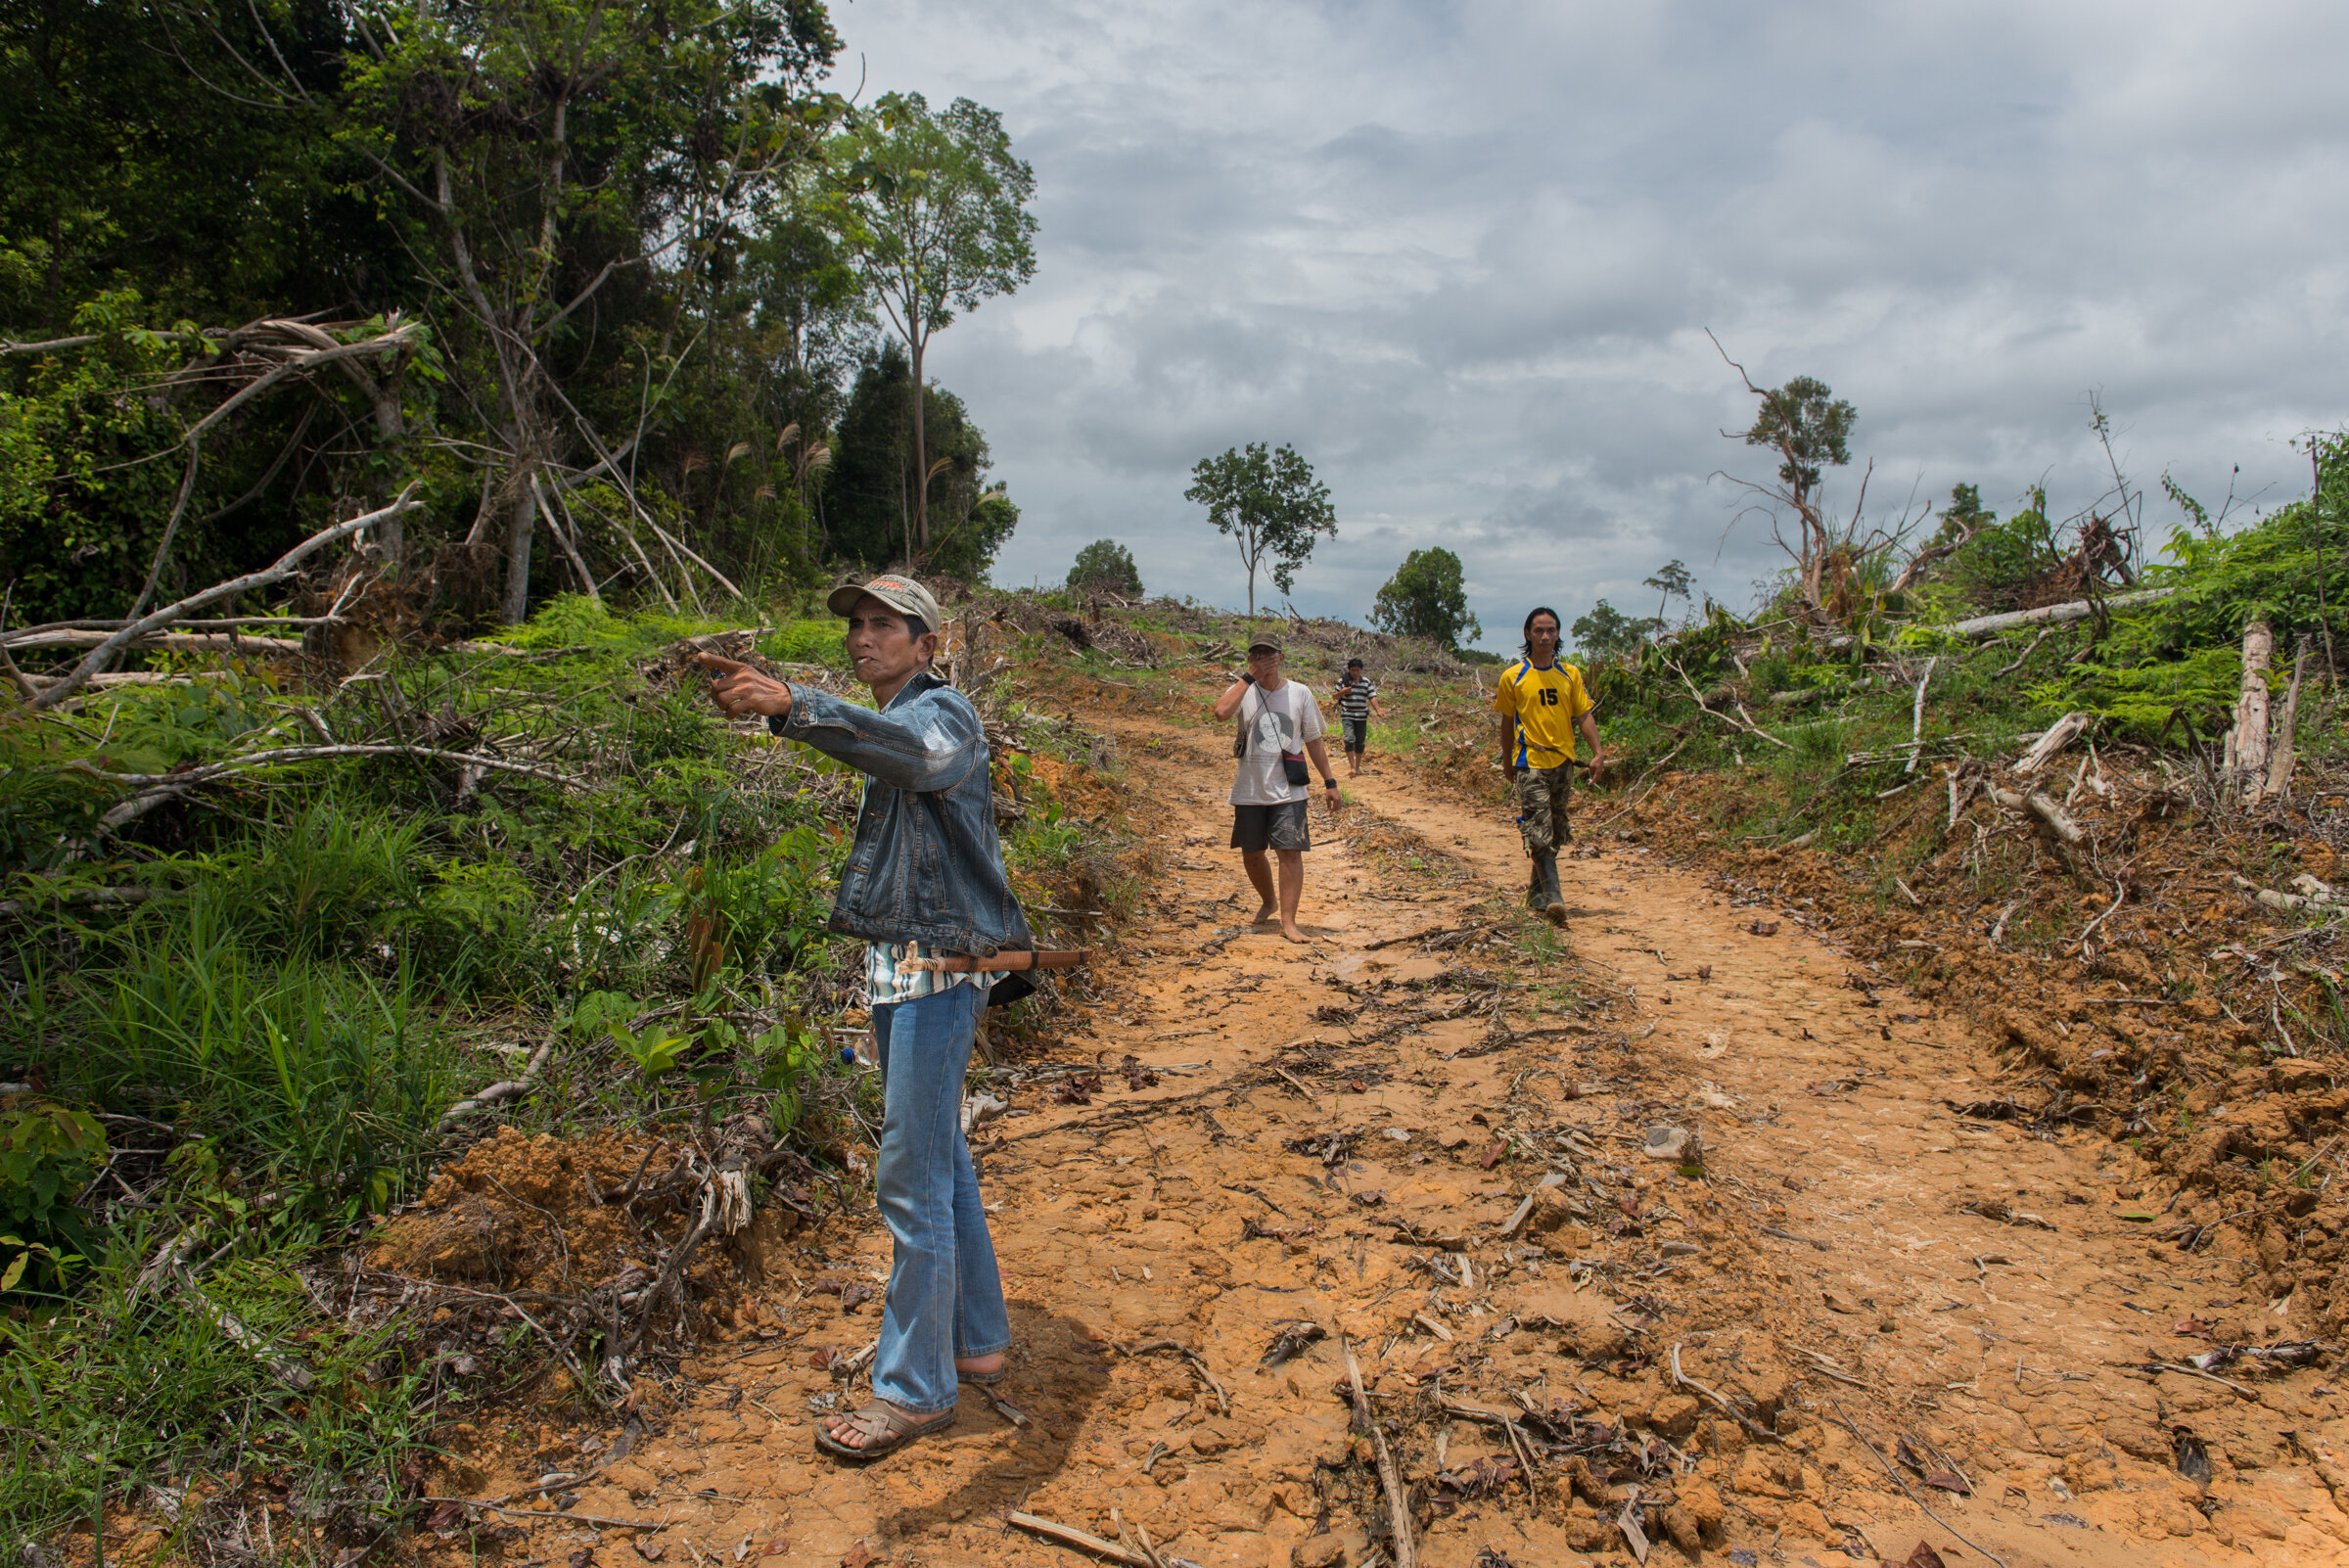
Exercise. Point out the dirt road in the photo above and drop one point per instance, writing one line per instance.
(1862, 1260)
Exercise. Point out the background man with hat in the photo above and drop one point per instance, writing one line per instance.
(926, 869)
(1279, 725)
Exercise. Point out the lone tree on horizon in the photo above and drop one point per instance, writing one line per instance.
(1106, 563)
(1270, 503)
(1426, 597)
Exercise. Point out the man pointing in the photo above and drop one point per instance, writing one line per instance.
(926, 869)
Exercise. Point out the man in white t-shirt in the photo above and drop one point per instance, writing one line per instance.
(1279, 725)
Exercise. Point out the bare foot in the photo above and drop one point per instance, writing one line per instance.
(1292, 933)
(1265, 914)
(983, 1365)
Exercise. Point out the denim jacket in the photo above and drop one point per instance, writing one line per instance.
(926, 866)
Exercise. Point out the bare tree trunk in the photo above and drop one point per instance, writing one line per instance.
(921, 447)
(2247, 744)
(2281, 754)
(516, 608)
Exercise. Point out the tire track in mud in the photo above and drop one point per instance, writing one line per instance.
(1340, 1135)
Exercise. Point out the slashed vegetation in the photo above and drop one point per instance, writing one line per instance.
(389, 1042)
(2109, 816)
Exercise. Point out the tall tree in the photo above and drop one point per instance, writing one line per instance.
(1671, 582)
(868, 490)
(1810, 428)
(1270, 503)
(934, 207)
(1426, 598)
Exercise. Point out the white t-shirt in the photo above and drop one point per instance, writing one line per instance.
(1277, 721)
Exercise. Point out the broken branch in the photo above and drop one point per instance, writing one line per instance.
(278, 571)
(1399, 1506)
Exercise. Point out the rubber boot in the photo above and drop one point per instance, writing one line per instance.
(1552, 899)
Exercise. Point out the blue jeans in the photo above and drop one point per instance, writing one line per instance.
(944, 1297)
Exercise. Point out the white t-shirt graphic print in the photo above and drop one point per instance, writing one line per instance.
(1277, 721)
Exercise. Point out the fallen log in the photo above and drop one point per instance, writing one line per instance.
(2057, 737)
(2047, 614)
(284, 566)
(2043, 806)
(512, 1089)
(167, 641)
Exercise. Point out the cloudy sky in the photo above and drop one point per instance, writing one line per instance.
(1464, 257)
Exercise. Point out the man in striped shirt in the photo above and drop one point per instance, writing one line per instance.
(1357, 704)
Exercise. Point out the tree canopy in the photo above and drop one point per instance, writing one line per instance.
(867, 501)
(1608, 633)
(1426, 598)
(580, 274)
(1808, 427)
(1269, 504)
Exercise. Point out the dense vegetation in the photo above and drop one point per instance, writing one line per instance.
(244, 1000)
(2157, 659)
(607, 287)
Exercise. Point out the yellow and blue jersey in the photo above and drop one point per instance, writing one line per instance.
(1545, 700)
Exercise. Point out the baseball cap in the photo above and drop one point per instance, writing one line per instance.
(901, 593)
(1264, 645)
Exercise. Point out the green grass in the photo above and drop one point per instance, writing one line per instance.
(324, 949)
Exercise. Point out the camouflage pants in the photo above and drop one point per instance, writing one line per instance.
(1542, 808)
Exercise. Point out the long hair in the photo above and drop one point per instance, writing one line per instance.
(1527, 646)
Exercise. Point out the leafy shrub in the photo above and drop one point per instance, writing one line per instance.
(47, 1153)
(772, 907)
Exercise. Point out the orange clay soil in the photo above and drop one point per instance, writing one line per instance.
(1338, 1137)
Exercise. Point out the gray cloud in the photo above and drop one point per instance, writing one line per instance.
(1463, 257)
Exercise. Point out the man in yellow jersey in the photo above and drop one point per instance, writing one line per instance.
(1542, 702)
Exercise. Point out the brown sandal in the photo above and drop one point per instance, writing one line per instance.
(884, 1428)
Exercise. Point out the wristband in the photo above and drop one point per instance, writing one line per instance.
(1329, 783)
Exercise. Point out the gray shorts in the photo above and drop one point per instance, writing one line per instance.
(1258, 828)
(1358, 734)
